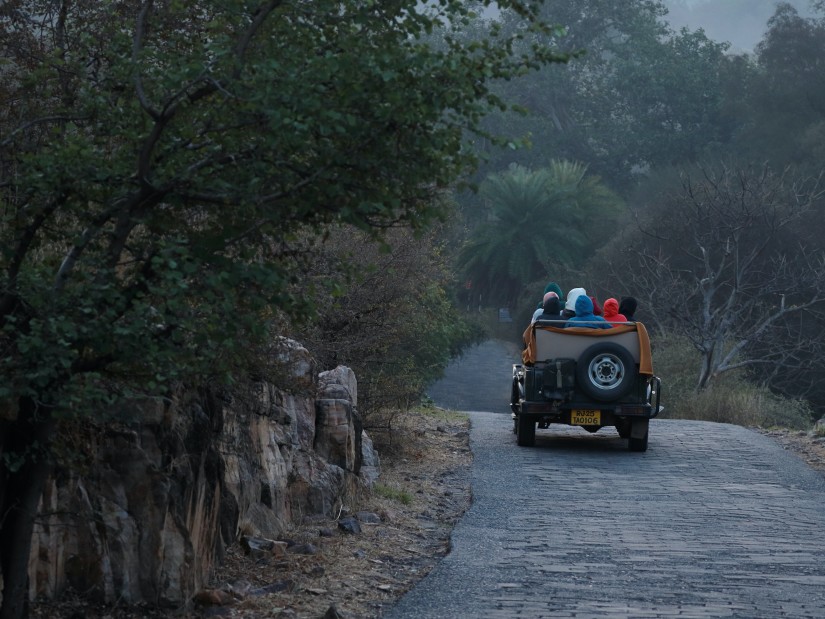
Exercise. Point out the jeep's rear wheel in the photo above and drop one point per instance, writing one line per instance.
(606, 371)
(526, 431)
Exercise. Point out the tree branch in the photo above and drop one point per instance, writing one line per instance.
(37, 121)
(258, 18)
(137, 45)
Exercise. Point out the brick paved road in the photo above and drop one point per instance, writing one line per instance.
(713, 520)
(480, 380)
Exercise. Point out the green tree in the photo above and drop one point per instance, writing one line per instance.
(786, 123)
(639, 96)
(162, 163)
(539, 221)
(391, 321)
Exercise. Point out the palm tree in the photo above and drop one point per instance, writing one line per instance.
(539, 223)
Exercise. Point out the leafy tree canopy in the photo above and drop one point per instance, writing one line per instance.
(163, 163)
(540, 222)
(160, 161)
(787, 121)
(636, 95)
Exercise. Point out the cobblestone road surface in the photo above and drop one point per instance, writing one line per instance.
(713, 520)
(480, 380)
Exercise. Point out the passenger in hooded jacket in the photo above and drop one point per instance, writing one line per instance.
(547, 295)
(585, 317)
(551, 309)
(628, 308)
(597, 309)
(570, 305)
(554, 287)
(611, 311)
(550, 287)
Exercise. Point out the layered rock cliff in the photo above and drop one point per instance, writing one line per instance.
(147, 515)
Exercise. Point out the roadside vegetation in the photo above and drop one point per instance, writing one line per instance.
(734, 398)
(169, 173)
(388, 492)
(717, 226)
(182, 182)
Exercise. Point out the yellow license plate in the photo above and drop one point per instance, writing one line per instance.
(586, 418)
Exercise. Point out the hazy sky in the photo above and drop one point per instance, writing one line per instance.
(741, 22)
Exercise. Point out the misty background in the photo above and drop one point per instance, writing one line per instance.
(677, 158)
(740, 22)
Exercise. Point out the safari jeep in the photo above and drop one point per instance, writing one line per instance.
(585, 377)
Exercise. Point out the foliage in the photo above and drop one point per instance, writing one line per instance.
(165, 167)
(641, 95)
(392, 321)
(222, 143)
(787, 93)
(539, 221)
(388, 492)
(725, 263)
(732, 399)
(741, 22)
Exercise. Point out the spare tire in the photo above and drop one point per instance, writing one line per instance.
(606, 371)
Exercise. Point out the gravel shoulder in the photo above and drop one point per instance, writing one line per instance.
(807, 446)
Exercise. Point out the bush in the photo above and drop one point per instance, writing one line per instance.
(392, 322)
(731, 398)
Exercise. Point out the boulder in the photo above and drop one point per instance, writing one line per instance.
(370, 462)
(193, 473)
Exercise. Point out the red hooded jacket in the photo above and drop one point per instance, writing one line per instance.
(611, 311)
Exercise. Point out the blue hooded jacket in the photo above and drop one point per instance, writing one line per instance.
(584, 315)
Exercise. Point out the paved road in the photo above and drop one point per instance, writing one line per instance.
(713, 520)
(480, 380)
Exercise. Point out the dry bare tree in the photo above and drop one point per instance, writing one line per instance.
(726, 262)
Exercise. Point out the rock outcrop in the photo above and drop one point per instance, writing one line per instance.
(147, 513)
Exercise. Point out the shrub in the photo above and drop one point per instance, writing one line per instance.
(731, 398)
(392, 321)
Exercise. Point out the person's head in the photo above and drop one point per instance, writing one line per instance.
(574, 294)
(552, 305)
(611, 307)
(628, 307)
(597, 309)
(554, 287)
(551, 287)
(584, 306)
(549, 295)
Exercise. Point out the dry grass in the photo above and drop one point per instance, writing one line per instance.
(731, 398)
(807, 446)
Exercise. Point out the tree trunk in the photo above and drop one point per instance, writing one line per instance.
(705, 373)
(20, 492)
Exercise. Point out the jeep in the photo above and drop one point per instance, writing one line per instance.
(586, 377)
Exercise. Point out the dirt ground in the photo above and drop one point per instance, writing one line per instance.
(807, 446)
(423, 490)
